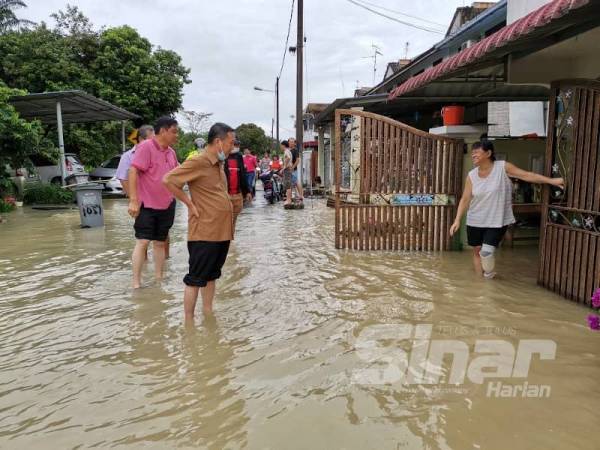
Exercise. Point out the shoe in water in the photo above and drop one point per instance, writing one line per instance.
(489, 275)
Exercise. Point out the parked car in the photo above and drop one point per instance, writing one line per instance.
(106, 173)
(48, 171)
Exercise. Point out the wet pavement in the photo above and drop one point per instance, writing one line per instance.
(85, 362)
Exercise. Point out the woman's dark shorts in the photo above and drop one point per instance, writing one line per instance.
(491, 236)
(287, 179)
(206, 261)
(154, 224)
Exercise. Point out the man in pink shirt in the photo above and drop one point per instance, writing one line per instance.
(250, 163)
(150, 203)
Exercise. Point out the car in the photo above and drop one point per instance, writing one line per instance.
(106, 174)
(48, 171)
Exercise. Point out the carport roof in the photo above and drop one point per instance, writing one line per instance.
(76, 107)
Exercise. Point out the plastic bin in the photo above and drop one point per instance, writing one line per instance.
(89, 201)
(453, 115)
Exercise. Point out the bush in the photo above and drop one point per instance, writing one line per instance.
(7, 204)
(47, 194)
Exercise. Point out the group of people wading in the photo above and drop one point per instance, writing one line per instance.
(153, 179)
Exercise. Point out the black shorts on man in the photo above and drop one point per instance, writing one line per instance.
(477, 236)
(206, 261)
(154, 224)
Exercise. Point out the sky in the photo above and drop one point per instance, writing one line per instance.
(233, 45)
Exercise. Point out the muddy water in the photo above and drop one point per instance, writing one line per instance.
(84, 362)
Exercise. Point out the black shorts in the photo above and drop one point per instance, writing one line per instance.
(491, 236)
(154, 224)
(206, 261)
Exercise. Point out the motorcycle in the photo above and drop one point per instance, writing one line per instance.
(272, 186)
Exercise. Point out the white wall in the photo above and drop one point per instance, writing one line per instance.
(527, 118)
(519, 8)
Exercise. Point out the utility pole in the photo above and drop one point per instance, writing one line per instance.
(299, 81)
(277, 111)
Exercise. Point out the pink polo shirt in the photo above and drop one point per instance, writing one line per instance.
(153, 163)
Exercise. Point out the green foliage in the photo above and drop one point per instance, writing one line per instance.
(253, 137)
(115, 64)
(8, 17)
(185, 143)
(6, 205)
(47, 194)
(18, 137)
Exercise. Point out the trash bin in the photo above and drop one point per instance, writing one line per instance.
(89, 201)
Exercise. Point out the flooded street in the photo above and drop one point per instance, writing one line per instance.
(84, 362)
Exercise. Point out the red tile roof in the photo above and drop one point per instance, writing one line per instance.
(522, 27)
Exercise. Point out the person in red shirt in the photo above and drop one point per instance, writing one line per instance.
(237, 182)
(276, 164)
(251, 163)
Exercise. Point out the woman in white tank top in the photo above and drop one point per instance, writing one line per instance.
(487, 199)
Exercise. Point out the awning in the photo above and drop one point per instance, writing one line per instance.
(528, 34)
(76, 106)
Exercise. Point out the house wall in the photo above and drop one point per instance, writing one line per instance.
(519, 8)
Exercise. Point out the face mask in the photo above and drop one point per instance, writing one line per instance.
(221, 154)
(235, 150)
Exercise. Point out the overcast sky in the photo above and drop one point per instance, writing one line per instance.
(233, 45)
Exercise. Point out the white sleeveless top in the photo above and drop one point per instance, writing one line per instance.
(491, 205)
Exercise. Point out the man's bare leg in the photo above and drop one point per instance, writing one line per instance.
(159, 259)
(300, 190)
(208, 295)
(190, 296)
(288, 196)
(167, 247)
(138, 258)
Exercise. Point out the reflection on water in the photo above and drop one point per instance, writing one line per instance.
(84, 362)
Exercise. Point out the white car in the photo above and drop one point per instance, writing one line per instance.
(49, 171)
(106, 173)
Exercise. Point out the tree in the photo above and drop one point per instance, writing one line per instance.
(253, 137)
(195, 122)
(18, 138)
(115, 64)
(8, 18)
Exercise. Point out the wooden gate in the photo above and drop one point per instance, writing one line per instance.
(396, 187)
(570, 240)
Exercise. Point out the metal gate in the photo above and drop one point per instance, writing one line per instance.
(396, 187)
(570, 239)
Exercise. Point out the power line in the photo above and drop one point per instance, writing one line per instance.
(419, 27)
(402, 14)
(285, 50)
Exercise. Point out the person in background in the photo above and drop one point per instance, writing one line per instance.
(237, 182)
(150, 203)
(143, 133)
(250, 162)
(487, 199)
(199, 145)
(276, 164)
(287, 172)
(265, 162)
(210, 217)
(296, 182)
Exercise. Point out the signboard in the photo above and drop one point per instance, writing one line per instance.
(421, 200)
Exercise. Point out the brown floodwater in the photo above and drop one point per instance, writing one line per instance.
(286, 363)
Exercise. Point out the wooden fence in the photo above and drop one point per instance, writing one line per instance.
(394, 161)
(570, 241)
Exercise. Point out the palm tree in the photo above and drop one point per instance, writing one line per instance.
(8, 19)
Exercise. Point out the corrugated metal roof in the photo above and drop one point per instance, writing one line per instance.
(507, 35)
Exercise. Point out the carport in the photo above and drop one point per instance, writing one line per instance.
(58, 108)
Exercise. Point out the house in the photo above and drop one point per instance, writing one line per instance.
(537, 60)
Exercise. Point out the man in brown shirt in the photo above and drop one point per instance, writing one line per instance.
(210, 216)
